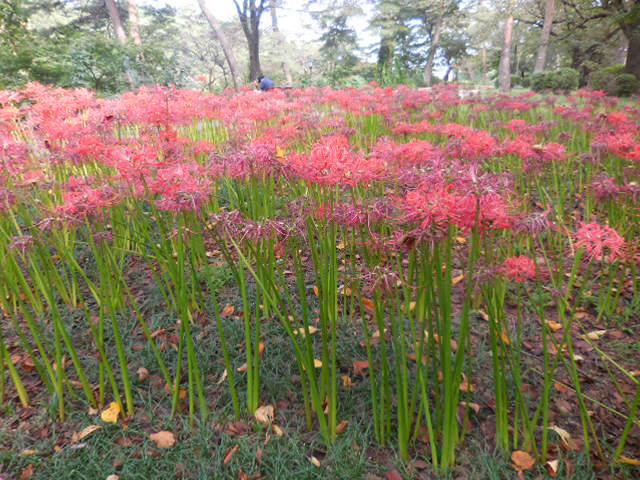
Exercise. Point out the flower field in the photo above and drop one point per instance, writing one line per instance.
(457, 265)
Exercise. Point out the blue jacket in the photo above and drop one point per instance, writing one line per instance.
(266, 84)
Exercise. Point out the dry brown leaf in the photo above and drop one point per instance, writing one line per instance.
(341, 426)
(314, 461)
(359, 366)
(393, 475)
(85, 432)
(229, 454)
(143, 374)
(27, 473)
(110, 414)
(369, 306)
(163, 439)
(228, 310)
(562, 433)
(522, 460)
(264, 414)
(243, 368)
(596, 334)
(552, 467)
(222, 377)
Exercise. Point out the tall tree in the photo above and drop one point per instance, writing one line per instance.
(134, 22)
(249, 14)
(505, 55)
(227, 49)
(541, 57)
(280, 41)
(114, 15)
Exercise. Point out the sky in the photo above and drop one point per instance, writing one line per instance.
(291, 20)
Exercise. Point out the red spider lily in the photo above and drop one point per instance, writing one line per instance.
(519, 268)
(597, 239)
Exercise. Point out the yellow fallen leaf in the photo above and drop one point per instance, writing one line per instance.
(629, 461)
(562, 433)
(163, 439)
(346, 382)
(264, 414)
(110, 414)
(458, 279)
(555, 326)
(473, 406)
(302, 331)
(596, 334)
(315, 461)
(522, 460)
(29, 451)
(85, 432)
(317, 363)
(277, 430)
(222, 377)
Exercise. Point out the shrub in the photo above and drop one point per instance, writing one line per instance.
(540, 81)
(601, 80)
(626, 85)
(563, 79)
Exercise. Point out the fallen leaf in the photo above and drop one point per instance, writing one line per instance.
(143, 374)
(222, 377)
(473, 406)
(346, 382)
(113, 476)
(552, 467)
(522, 460)
(316, 291)
(562, 433)
(229, 454)
(243, 368)
(317, 363)
(359, 366)
(110, 414)
(163, 439)
(596, 334)
(457, 280)
(555, 326)
(264, 414)
(393, 475)
(277, 430)
(314, 461)
(629, 461)
(27, 473)
(85, 432)
(341, 426)
(369, 306)
(228, 310)
(302, 331)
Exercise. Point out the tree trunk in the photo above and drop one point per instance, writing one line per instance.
(134, 23)
(631, 31)
(541, 57)
(224, 43)
(279, 40)
(505, 56)
(114, 15)
(485, 77)
(428, 69)
(249, 15)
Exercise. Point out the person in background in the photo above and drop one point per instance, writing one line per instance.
(265, 83)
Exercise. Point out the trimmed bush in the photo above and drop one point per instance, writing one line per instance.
(563, 79)
(626, 84)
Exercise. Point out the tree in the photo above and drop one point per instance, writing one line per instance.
(224, 42)
(545, 35)
(134, 22)
(505, 56)
(249, 14)
(279, 38)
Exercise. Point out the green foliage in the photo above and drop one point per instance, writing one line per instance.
(614, 81)
(626, 84)
(562, 79)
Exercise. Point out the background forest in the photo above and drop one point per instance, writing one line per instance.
(117, 45)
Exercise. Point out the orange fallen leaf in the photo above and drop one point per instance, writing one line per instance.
(359, 366)
(456, 280)
(316, 291)
(229, 454)
(27, 473)
(555, 326)
(110, 414)
(522, 460)
(243, 368)
(163, 439)
(369, 306)
(227, 310)
(341, 426)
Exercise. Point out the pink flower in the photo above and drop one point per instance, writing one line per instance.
(595, 239)
(519, 268)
